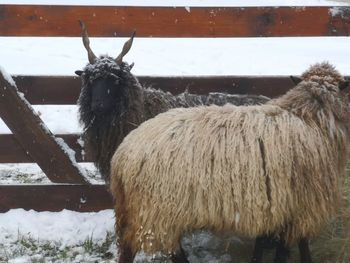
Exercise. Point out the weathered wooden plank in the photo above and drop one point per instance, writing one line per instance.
(65, 89)
(270, 86)
(82, 198)
(34, 137)
(12, 152)
(107, 21)
(49, 89)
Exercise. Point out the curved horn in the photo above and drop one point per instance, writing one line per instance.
(86, 42)
(125, 50)
(296, 80)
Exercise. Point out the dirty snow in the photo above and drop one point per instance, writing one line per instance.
(17, 173)
(339, 11)
(40, 232)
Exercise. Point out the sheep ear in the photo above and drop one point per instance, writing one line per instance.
(343, 84)
(296, 80)
(79, 72)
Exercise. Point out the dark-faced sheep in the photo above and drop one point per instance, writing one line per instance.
(252, 170)
(112, 102)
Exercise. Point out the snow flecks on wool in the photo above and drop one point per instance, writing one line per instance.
(209, 172)
(135, 104)
(277, 165)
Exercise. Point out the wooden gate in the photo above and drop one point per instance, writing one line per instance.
(32, 142)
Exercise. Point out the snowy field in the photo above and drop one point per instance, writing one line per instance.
(88, 237)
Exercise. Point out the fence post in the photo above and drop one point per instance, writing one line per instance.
(32, 134)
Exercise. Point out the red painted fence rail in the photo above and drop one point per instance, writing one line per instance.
(108, 21)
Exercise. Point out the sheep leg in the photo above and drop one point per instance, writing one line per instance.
(304, 250)
(125, 254)
(179, 257)
(258, 250)
(282, 252)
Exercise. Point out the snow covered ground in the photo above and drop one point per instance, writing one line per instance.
(62, 56)
(29, 236)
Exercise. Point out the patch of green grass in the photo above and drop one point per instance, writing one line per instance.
(39, 251)
(102, 250)
(88, 244)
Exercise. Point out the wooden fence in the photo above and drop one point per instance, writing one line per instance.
(70, 190)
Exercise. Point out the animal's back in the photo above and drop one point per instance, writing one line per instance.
(195, 165)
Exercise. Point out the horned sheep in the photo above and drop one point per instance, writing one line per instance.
(112, 102)
(252, 170)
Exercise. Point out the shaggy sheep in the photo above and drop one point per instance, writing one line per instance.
(252, 170)
(112, 103)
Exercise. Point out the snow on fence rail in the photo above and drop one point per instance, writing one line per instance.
(37, 20)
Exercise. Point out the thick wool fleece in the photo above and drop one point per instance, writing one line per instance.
(251, 169)
(103, 134)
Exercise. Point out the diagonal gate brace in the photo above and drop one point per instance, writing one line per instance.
(51, 154)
